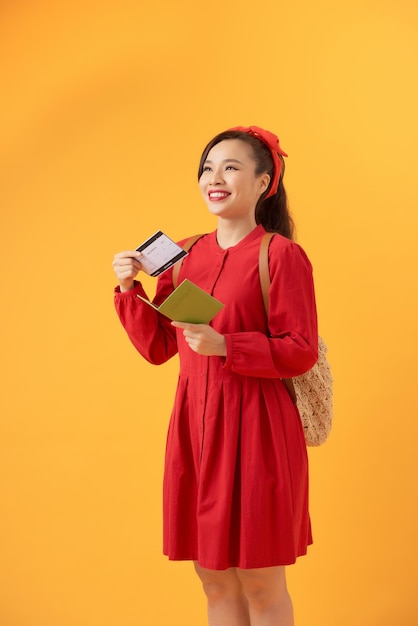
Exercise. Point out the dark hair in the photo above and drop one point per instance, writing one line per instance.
(272, 213)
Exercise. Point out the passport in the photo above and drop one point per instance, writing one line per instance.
(188, 303)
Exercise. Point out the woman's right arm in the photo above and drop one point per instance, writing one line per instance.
(150, 332)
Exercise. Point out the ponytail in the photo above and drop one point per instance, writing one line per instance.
(273, 213)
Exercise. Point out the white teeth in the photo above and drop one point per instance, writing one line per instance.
(218, 194)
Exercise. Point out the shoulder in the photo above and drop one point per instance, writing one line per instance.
(285, 251)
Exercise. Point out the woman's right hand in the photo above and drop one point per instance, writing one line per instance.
(126, 266)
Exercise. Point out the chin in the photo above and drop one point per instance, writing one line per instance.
(215, 210)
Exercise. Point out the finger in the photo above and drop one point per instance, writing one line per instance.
(126, 262)
(188, 325)
(128, 254)
(129, 264)
(126, 274)
(183, 325)
(190, 336)
(192, 345)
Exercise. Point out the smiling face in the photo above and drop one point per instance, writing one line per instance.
(228, 183)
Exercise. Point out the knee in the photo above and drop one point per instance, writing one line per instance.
(264, 592)
(258, 596)
(215, 590)
(218, 585)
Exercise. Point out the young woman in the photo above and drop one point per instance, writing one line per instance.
(236, 472)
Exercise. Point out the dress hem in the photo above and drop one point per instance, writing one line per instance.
(217, 567)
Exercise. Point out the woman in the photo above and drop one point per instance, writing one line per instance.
(236, 472)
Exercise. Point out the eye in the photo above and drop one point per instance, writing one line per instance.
(230, 167)
(206, 168)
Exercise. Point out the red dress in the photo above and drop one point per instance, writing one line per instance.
(236, 473)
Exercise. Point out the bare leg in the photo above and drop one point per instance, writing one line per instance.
(227, 605)
(269, 602)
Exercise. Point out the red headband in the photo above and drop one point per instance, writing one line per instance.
(272, 143)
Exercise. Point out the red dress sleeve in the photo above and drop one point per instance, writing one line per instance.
(150, 332)
(291, 348)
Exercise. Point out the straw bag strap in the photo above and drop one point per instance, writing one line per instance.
(176, 267)
(263, 268)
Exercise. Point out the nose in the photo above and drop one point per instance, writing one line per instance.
(216, 177)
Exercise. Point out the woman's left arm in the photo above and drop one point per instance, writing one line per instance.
(291, 348)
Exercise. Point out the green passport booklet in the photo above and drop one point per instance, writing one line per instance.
(188, 303)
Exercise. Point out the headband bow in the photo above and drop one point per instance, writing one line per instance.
(272, 143)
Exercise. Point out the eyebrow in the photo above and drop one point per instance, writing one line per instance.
(227, 161)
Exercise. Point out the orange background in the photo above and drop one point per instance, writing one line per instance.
(104, 110)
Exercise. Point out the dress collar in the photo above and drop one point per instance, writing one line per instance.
(256, 233)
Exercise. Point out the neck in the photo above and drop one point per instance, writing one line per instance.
(231, 232)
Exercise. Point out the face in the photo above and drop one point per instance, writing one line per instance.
(228, 182)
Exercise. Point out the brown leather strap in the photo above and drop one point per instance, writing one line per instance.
(263, 268)
(176, 267)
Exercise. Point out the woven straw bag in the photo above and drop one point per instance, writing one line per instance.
(313, 392)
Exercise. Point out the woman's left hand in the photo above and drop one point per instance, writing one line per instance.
(203, 339)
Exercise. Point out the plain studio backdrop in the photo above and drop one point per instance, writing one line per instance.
(104, 110)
